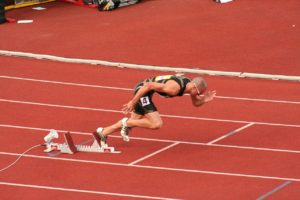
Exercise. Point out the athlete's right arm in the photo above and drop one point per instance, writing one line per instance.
(170, 88)
(147, 87)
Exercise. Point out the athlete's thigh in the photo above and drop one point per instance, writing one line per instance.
(136, 116)
(154, 117)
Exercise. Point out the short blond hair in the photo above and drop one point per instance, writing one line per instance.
(200, 83)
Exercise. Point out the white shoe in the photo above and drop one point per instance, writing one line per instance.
(103, 139)
(125, 130)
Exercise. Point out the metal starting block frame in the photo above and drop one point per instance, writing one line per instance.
(70, 148)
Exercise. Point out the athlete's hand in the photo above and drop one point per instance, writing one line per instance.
(210, 95)
(127, 108)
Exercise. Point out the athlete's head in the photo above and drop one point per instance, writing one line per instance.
(200, 85)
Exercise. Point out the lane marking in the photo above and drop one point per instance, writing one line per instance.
(154, 153)
(58, 106)
(66, 83)
(157, 140)
(156, 167)
(230, 133)
(129, 89)
(259, 100)
(163, 115)
(274, 190)
(83, 191)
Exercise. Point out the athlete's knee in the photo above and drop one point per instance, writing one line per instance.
(156, 125)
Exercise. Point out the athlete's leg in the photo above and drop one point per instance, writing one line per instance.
(125, 129)
(150, 120)
(118, 125)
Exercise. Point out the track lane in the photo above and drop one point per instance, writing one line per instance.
(97, 97)
(228, 160)
(97, 75)
(119, 179)
(266, 137)
(181, 156)
(130, 151)
(88, 121)
(13, 191)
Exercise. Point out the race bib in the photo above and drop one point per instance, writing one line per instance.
(145, 101)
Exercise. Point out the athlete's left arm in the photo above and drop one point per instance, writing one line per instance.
(198, 100)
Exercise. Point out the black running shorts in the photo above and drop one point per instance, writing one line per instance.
(145, 104)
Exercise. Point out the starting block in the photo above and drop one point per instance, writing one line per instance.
(69, 147)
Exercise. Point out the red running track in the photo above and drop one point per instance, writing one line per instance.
(244, 36)
(243, 145)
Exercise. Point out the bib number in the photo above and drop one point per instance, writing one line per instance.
(145, 101)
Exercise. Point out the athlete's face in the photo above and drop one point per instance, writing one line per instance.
(197, 91)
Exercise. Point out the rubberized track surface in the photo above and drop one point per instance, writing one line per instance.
(244, 36)
(249, 146)
(243, 145)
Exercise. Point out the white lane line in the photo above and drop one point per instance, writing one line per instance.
(163, 115)
(130, 89)
(157, 140)
(259, 100)
(156, 167)
(66, 83)
(230, 121)
(154, 153)
(274, 190)
(59, 106)
(83, 191)
(230, 133)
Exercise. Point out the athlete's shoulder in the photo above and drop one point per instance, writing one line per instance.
(181, 79)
